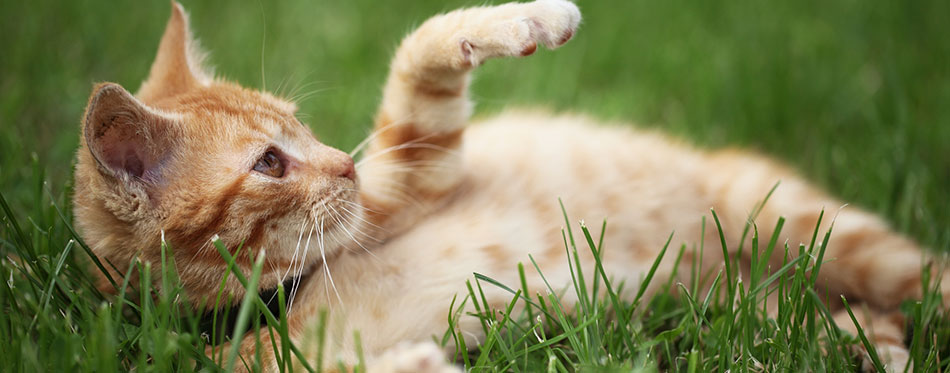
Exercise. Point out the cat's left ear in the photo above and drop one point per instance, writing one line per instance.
(177, 67)
(128, 140)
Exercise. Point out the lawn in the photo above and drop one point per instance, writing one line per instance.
(853, 93)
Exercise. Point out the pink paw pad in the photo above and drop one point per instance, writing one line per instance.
(529, 50)
(564, 38)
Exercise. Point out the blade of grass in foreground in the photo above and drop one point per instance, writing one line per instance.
(871, 350)
(245, 312)
(271, 320)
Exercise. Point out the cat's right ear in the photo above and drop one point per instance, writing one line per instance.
(128, 140)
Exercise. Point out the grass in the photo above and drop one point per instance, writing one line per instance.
(852, 93)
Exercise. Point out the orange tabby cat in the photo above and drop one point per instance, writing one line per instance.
(385, 244)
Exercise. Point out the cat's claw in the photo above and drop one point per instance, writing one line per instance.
(518, 29)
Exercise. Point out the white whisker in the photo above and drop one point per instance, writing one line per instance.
(356, 228)
(297, 265)
(361, 206)
(326, 269)
(359, 216)
(376, 133)
(297, 88)
(296, 251)
(343, 226)
(306, 95)
(408, 145)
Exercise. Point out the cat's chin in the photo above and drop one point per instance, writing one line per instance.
(333, 225)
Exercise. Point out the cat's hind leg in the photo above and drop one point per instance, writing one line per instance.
(875, 267)
(865, 259)
(413, 155)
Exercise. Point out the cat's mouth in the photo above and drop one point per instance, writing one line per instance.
(335, 221)
(333, 208)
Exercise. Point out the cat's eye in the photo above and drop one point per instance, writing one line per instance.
(269, 164)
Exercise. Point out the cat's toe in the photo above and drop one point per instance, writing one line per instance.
(565, 37)
(555, 22)
(517, 29)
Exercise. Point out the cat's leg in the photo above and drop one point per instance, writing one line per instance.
(413, 155)
(865, 260)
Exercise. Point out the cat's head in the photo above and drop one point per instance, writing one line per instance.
(189, 158)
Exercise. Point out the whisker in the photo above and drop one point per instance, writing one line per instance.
(306, 95)
(296, 263)
(358, 216)
(408, 145)
(296, 251)
(303, 262)
(343, 227)
(360, 231)
(198, 252)
(362, 207)
(375, 133)
(299, 87)
(326, 267)
(323, 256)
(401, 193)
(274, 269)
(400, 168)
(282, 84)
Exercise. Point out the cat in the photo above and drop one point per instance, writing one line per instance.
(384, 244)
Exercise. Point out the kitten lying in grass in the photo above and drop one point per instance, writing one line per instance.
(385, 244)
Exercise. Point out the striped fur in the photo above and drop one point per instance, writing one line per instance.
(435, 199)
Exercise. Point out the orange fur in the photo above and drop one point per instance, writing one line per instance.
(435, 199)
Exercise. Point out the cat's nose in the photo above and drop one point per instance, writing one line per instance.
(339, 164)
(348, 169)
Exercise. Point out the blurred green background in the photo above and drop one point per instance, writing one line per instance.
(854, 93)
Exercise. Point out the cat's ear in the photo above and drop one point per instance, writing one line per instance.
(177, 66)
(128, 140)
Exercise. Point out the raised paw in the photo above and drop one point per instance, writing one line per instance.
(413, 358)
(516, 29)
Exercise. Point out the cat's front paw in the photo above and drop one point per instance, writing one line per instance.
(413, 358)
(516, 29)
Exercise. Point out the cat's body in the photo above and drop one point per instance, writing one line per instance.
(636, 182)
(385, 250)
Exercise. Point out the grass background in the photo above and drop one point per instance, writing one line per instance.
(854, 93)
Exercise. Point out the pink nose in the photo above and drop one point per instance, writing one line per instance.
(347, 169)
(335, 163)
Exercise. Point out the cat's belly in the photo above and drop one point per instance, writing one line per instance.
(507, 211)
